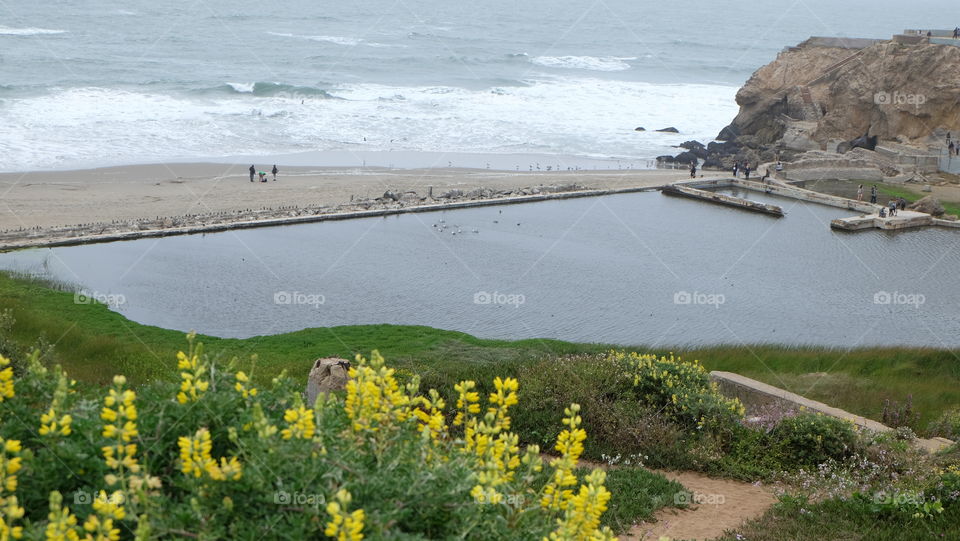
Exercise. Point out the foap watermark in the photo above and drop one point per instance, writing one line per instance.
(698, 298)
(82, 497)
(513, 500)
(899, 298)
(89, 297)
(899, 98)
(897, 498)
(299, 298)
(509, 299)
(697, 498)
(282, 497)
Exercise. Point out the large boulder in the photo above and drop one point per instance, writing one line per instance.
(696, 147)
(929, 204)
(328, 374)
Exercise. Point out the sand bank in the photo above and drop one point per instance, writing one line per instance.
(33, 203)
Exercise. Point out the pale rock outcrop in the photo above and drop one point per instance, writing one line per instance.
(328, 374)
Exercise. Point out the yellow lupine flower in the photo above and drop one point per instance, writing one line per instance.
(10, 511)
(195, 459)
(63, 524)
(193, 369)
(300, 423)
(343, 525)
(6, 380)
(241, 385)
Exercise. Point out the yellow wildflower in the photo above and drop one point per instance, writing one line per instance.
(344, 526)
(241, 385)
(6, 380)
(300, 423)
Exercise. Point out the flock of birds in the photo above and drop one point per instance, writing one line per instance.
(442, 226)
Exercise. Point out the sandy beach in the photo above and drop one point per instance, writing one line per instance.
(65, 198)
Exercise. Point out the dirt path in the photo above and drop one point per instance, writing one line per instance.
(724, 505)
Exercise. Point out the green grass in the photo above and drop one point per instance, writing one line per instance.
(636, 494)
(912, 195)
(93, 343)
(794, 519)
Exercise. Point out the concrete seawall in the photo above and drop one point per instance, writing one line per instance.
(756, 394)
(43, 239)
(721, 199)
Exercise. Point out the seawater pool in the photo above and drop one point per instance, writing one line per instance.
(628, 269)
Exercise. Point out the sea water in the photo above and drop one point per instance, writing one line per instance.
(88, 83)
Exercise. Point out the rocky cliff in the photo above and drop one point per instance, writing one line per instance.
(827, 91)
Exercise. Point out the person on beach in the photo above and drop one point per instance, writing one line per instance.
(873, 194)
(860, 193)
(950, 148)
(253, 171)
(263, 176)
(736, 166)
(274, 171)
(746, 171)
(693, 169)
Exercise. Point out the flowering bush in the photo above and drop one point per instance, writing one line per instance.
(683, 389)
(809, 439)
(215, 457)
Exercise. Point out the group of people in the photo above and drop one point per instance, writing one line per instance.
(953, 147)
(894, 205)
(745, 167)
(262, 174)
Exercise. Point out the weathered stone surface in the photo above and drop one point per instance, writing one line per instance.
(888, 90)
(328, 374)
(929, 204)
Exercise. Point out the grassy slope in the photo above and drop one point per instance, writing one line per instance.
(93, 343)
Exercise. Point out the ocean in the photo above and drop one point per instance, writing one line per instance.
(87, 83)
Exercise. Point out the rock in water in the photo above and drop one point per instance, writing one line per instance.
(929, 204)
(328, 374)
(671, 129)
(641, 128)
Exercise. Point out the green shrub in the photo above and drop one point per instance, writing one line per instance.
(682, 390)
(809, 439)
(947, 426)
(216, 457)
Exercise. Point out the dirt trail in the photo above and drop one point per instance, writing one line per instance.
(724, 505)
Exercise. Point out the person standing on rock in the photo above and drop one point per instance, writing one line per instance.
(693, 169)
(746, 171)
(873, 194)
(274, 171)
(860, 193)
(253, 171)
(736, 166)
(893, 207)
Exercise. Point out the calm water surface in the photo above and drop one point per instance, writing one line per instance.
(630, 269)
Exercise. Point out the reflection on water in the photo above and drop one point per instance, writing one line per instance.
(630, 269)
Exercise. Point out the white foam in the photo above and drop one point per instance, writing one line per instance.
(594, 63)
(242, 87)
(338, 40)
(31, 31)
(574, 116)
